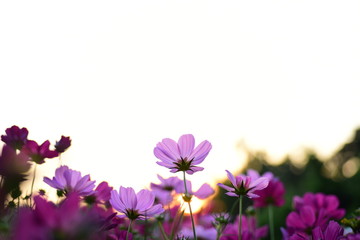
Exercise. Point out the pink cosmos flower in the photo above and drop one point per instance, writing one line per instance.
(38, 153)
(68, 221)
(244, 185)
(15, 137)
(332, 232)
(250, 231)
(13, 163)
(69, 181)
(273, 194)
(311, 211)
(135, 206)
(182, 156)
(63, 144)
(164, 192)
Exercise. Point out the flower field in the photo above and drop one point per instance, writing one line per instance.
(110, 211)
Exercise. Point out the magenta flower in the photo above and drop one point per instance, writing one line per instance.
(273, 194)
(164, 192)
(243, 185)
(67, 221)
(38, 153)
(332, 232)
(327, 203)
(63, 144)
(135, 206)
(69, 181)
(13, 163)
(15, 137)
(182, 156)
(250, 230)
(311, 211)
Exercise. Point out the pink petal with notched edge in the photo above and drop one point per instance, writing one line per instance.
(333, 231)
(204, 191)
(307, 215)
(200, 152)
(259, 183)
(186, 145)
(145, 199)
(227, 188)
(293, 220)
(164, 164)
(128, 197)
(155, 210)
(231, 194)
(116, 202)
(194, 169)
(231, 178)
(163, 156)
(252, 195)
(170, 147)
(53, 183)
(59, 174)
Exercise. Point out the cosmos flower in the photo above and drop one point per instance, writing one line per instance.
(165, 191)
(63, 144)
(182, 156)
(332, 232)
(243, 185)
(67, 221)
(15, 137)
(69, 181)
(38, 153)
(273, 194)
(13, 163)
(311, 211)
(135, 206)
(250, 230)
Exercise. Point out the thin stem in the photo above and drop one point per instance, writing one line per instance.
(32, 185)
(128, 230)
(271, 222)
(191, 214)
(162, 231)
(240, 218)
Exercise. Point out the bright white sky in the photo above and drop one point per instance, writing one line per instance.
(118, 76)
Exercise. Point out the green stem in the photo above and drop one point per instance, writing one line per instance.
(191, 214)
(271, 222)
(32, 185)
(240, 218)
(162, 231)
(128, 230)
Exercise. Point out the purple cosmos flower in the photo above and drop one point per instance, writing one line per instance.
(311, 211)
(15, 137)
(273, 194)
(250, 231)
(66, 221)
(63, 144)
(164, 192)
(244, 185)
(332, 232)
(182, 156)
(38, 153)
(69, 181)
(12, 163)
(103, 192)
(135, 206)
(327, 203)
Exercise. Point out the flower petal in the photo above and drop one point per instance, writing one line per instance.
(186, 145)
(200, 152)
